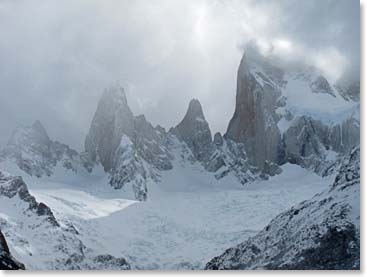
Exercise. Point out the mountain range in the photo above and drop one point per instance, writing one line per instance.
(284, 114)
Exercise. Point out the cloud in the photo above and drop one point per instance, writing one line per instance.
(58, 56)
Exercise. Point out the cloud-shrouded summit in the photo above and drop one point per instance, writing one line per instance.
(58, 57)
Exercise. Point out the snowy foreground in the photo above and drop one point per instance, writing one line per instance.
(189, 218)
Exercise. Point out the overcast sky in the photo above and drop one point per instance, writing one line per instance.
(56, 57)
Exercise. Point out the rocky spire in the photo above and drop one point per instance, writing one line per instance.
(195, 131)
(112, 119)
(194, 111)
(30, 135)
(40, 132)
(254, 119)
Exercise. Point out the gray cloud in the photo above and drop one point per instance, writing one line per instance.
(58, 56)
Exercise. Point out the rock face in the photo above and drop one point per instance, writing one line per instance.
(309, 143)
(150, 143)
(348, 85)
(125, 144)
(12, 186)
(254, 122)
(322, 233)
(109, 262)
(194, 130)
(283, 113)
(321, 85)
(112, 119)
(292, 113)
(7, 262)
(230, 157)
(128, 170)
(36, 154)
(221, 156)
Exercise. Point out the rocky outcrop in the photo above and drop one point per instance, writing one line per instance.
(45, 241)
(310, 143)
(128, 170)
(125, 145)
(30, 224)
(36, 154)
(220, 155)
(194, 130)
(113, 120)
(7, 261)
(109, 262)
(230, 157)
(254, 122)
(321, 85)
(150, 143)
(322, 233)
(12, 186)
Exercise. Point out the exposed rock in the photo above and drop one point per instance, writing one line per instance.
(128, 147)
(349, 173)
(7, 261)
(109, 262)
(321, 85)
(29, 226)
(254, 122)
(218, 139)
(194, 130)
(111, 121)
(322, 233)
(230, 157)
(276, 128)
(11, 186)
(309, 142)
(270, 169)
(149, 143)
(128, 170)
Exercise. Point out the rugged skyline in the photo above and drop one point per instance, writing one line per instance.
(279, 188)
(59, 57)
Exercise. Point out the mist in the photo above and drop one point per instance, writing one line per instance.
(57, 57)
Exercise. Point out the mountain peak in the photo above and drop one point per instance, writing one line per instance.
(194, 130)
(112, 119)
(26, 135)
(40, 129)
(195, 110)
(115, 93)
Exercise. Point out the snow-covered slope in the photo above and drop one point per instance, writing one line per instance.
(321, 233)
(7, 261)
(38, 239)
(189, 217)
(31, 149)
